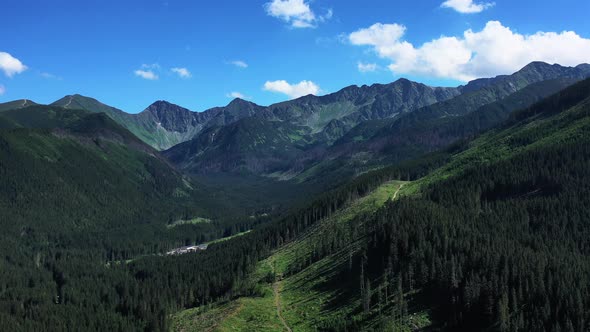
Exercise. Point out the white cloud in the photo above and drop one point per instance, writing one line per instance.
(146, 74)
(327, 16)
(366, 67)
(467, 6)
(302, 88)
(236, 94)
(50, 76)
(2, 90)
(378, 34)
(492, 51)
(148, 71)
(239, 63)
(296, 12)
(182, 72)
(11, 65)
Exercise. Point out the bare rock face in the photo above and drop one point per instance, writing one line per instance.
(176, 118)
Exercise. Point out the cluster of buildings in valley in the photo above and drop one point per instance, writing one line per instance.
(187, 249)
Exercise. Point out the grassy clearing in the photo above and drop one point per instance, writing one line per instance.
(302, 248)
(305, 299)
(310, 297)
(254, 314)
(244, 314)
(203, 318)
(228, 238)
(193, 221)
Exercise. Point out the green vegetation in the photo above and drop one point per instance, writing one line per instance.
(303, 306)
(193, 221)
(475, 245)
(16, 104)
(77, 191)
(228, 237)
(489, 233)
(162, 125)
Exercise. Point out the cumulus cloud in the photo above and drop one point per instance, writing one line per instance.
(236, 94)
(181, 72)
(492, 51)
(239, 63)
(366, 67)
(296, 12)
(146, 74)
(148, 71)
(11, 65)
(378, 34)
(467, 6)
(302, 88)
(2, 90)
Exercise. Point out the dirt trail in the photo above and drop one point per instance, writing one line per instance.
(276, 287)
(69, 102)
(397, 191)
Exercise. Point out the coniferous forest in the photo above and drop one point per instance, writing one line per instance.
(391, 207)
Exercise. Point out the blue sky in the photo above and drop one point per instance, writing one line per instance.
(199, 54)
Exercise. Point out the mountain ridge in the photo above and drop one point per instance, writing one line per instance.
(328, 117)
(316, 127)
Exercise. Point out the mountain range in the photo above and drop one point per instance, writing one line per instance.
(341, 134)
(362, 123)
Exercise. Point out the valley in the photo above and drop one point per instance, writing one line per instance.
(440, 209)
(295, 166)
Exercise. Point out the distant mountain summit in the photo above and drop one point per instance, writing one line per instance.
(81, 102)
(174, 118)
(16, 104)
(162, 124)
(533, 72)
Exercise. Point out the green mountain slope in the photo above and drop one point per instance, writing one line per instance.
(16, 104)
(301, 125)
(163, 125)
(79, 194)
(374, 144)
(384, 142)
(41, 116)
(143, 127)
(495, 239)
(249, 144)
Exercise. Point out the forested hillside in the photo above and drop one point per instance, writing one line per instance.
(79, 194)
(488, 233)
(493, 240)
(295, 166)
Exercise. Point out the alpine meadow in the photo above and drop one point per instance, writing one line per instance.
(384, 166)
